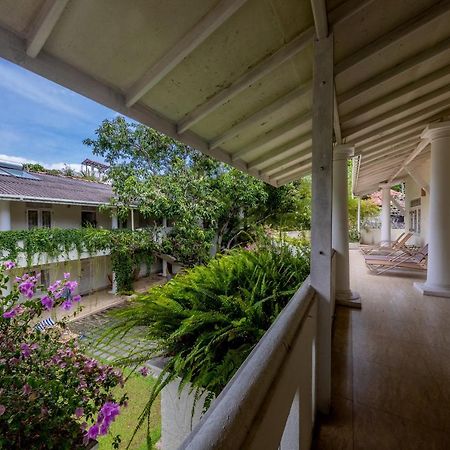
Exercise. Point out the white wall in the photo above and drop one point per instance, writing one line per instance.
(63, 216)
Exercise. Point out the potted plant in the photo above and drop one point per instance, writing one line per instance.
(52, 396)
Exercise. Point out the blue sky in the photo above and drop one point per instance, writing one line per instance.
(43, 122)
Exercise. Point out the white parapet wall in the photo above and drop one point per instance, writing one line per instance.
(372, 236)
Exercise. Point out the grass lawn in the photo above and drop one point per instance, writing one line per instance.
(138, 389)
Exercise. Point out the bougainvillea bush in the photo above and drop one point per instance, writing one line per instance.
(51, 395)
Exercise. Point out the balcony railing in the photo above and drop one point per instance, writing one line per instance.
(270, 401)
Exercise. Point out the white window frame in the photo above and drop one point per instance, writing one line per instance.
(40, 221)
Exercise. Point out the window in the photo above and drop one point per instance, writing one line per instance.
(39, 218)
(415, 216)
(33, 219)
(45, 278)
(88, 219)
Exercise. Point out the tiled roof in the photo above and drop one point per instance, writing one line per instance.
(55, 188)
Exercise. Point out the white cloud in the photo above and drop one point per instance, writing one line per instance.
(21, 160)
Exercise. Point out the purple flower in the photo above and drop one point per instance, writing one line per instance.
(25, 349)
(9, 265)
(2, 410)
(66, 304)
(17, 310)
(47, 302)
(66, 275)
(71, 285)
(93, 432)
(76, 298)
(144, 371)
(79, 412)
(26, 389)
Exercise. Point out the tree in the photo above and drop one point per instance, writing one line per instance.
(205, 199)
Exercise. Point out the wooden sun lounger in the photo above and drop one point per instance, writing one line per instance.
(418, 261)
(398, 245)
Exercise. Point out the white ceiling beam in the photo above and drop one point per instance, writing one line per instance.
(422, 145)
(293, 168)
(43, 25)
(286, 162)
(272, 135)
(387, 75)
(388, 141)
(281, 151)
(185, 46)
(386, 149)
(319, 10)
(409, 89)
(404, 30)
(294, 176)
(247, 79)
(401, 127)
(346, 10)
(12, 48)
(386, 162)
(431, 102)
(388, 153)
(260, 115)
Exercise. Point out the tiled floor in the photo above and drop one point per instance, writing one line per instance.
(391, 368)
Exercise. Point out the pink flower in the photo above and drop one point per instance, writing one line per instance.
(144, 371)
(47, 302)
(9, 265)
(66, 304)
(2, 410)
(25, 349)
(26, 389)
(66, 275)
(16, 311)
(79, 412)
(93, 432)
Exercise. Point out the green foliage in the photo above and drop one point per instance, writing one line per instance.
(165, 178)
(41, 169)
(368, 209)
(128, 248)
(207, 321)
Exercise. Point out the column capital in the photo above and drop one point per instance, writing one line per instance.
(343, 151)
(436, 130)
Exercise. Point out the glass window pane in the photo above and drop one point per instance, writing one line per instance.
(46, 219)
(32, 219)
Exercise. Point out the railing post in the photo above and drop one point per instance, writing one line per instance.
(322, 187)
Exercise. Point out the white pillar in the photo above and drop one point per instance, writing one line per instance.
(321, 221)
(340, 241)
(385, 213)
(358, 217)
(438, 273)
(132, 219)
(114, 222)
(5, 215)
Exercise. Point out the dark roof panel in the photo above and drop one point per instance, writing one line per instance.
(57, 188)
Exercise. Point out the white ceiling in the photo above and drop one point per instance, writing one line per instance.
(232, 77)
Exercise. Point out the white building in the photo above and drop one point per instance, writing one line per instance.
(40, 200)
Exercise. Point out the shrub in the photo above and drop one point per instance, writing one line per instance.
(51, 395)
(207, 321)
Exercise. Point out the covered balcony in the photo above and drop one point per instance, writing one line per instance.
(282, 89)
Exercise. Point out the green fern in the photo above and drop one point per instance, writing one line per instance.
(206, 321)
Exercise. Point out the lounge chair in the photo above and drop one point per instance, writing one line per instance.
(417, 261)
(65, 334)
(398, 245)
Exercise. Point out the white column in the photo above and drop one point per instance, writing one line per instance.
(114, 222)
(358, 216)
(385, 213)
(5, 215)
(321, 221)
(438, 273)
(340, 241)
(132, 219)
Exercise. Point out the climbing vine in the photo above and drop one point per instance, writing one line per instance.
(128, 249)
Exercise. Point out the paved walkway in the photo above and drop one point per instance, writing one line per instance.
(391, 368)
